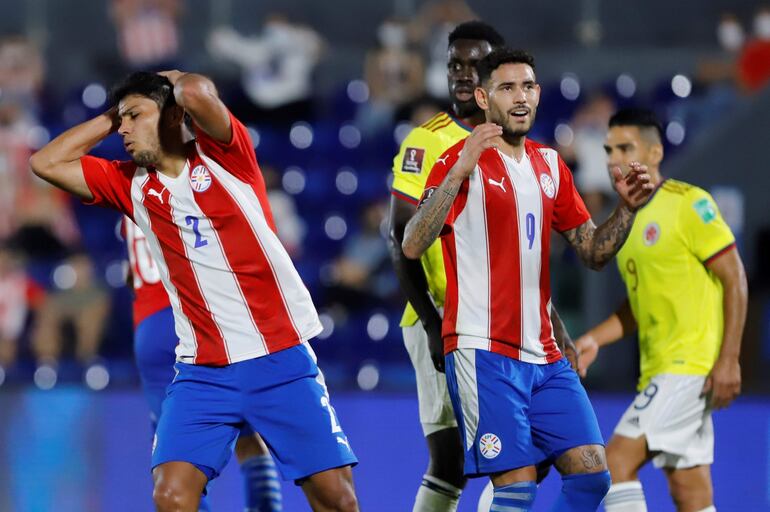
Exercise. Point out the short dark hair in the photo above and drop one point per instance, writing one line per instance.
(501, 56)
(642, 118)
(151, 85)
(478, 31)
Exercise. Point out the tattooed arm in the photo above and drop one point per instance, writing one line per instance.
(423, 229)
(564, 340)
(596, 246)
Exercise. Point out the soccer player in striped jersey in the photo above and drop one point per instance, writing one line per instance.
(687, 296)
(424, 281)
(154, 344)
(241, 312)
(493, 200)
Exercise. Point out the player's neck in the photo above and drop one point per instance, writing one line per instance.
(512, 146)
(171, 164)
(473, 120)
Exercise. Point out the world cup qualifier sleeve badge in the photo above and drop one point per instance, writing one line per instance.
(412, 162)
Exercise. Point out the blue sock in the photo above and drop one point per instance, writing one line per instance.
(515, 497)
(582, 493)
(261, 483)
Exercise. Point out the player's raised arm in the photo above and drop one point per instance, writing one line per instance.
(58, 162)
(619, 324)
(198, 96)
(596, 246)
(724, 381)
(426, 224)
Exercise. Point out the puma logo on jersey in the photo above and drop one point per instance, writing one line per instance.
(159, 195)
(443, 159)
(500, 183)
(343, 440)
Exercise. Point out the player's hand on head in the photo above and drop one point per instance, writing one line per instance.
(481, 138)
(723, 384)
(587, 350)
(636, 187)
(172, 74)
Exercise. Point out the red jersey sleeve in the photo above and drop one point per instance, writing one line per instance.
(110, 182)
(569, 210)
(437, 174)
(237, 156)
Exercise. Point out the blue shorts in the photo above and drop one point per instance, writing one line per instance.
(282, 396)
(513, 414)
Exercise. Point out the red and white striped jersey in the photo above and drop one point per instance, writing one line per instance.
(496, 242)
(233, 288)
(149, 294)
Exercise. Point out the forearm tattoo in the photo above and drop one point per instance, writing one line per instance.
(596, 246)
(423, 229)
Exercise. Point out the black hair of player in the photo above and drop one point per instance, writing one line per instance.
(477, 31)
(144, 83)
(640, 117)
(501, 56)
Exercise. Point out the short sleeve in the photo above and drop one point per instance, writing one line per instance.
(237, 156)
(569, 210)
(109, 182)
(706, 233)
(413, 164)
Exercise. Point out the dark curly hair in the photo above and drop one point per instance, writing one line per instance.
(642, 118)
(478, 31)
(151, 85)
(501, 56)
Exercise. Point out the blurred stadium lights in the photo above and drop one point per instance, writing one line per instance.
(358, 91)
(401, 131)
(97, 377)
(681, 86)
(301, 135)
(64, 276)
(94, 96)
(293, 180)
(368, 377)
(347, 181)
(37, 137)
(570, 86)
(327, 322)
(45, 377)
(675, 132)
(255, 137)
(335, 227)
(350, 136)
(116, 272)
(563, 134)
(625, 85)
(377, 327)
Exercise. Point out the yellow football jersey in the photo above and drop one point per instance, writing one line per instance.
(676, 300)
(411, 167)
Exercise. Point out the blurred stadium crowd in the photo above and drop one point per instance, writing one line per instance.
(326, 147)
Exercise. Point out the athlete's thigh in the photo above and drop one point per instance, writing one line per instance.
(293, 413)
(561, 414)
(200, 419)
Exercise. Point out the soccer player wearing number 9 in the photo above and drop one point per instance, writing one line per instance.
(241, 312)
(493, 200)
(687, 298)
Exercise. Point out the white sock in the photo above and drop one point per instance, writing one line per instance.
(625, 497)
(435, 495)
(711, 508)
(485, 500)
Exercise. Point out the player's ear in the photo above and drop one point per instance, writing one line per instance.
(482, 100)
(656, 154)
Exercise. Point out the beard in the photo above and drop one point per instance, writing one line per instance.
(503, 119)
(145, 158)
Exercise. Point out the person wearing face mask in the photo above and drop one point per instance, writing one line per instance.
(394, 73)
(754, 61)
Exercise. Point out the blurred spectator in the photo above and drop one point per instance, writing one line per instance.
(276, 66)
(78, 301)
(394, 74)
(721, 68)
(754, 62)
(18, 296)
(361, 276)
(589, 128)
(430, 30)
(291, 228)
(148, 32)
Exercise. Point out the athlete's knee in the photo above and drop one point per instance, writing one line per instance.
(584, 491)
(342, 500)
(689, 495)
(173, 496)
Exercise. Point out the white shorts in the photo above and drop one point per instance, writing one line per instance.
(436, 411)
(671, 413)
